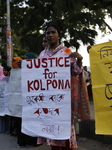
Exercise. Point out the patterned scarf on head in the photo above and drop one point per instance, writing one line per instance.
(15, 61)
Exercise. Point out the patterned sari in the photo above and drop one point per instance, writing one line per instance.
(63, 51)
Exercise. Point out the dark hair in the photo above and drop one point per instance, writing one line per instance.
(54, 26)
(7, 68)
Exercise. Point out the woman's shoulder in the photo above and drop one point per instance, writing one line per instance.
(66, 51)
(42, 53)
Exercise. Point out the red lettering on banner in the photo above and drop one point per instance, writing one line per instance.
(54, 84)
(48, 74)
(45, 72)
(51, 59)
(48, 62)
(29, 66)
(45, 110)
(38, 84)
(29, 85)
(60, 84)
(48, 82)
(36, 63)
(51, 111)
(37, 111)
(67, 84)
(41, 85)
(61, 65)
(57, 111)
(56, 62)
(67, 64)
(44, 61)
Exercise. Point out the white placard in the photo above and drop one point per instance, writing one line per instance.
(3, 98)
(15, 93)
(46, 95)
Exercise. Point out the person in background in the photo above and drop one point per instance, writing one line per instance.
(87, 75)
(2, 78)
(6, 71)
(4, 120)
(55, 49)
(23, 139)
(45, 43)
(14, 119)
(15, 61)
(30, 55)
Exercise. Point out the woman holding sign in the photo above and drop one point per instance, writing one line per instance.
(52, 34)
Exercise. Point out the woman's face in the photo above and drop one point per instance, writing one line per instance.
(5, 72)
(52, 35)
(45, 43)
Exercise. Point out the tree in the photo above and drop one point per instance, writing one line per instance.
(3, 32)
(76, 19)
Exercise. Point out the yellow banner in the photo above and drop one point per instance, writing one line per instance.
(101, 74)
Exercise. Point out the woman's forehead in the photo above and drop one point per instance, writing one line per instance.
(51, 29)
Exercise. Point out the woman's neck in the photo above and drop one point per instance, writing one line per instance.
(53, 46)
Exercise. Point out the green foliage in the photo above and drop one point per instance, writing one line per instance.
(77, 20)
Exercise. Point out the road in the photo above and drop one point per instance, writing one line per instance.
(8, 142)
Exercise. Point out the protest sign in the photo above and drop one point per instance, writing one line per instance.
(3, 98)
(46, 97)
(15, 93)
(101, 73)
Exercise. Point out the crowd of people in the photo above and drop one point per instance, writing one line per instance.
(79, 95)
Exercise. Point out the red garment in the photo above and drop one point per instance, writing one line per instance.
(80, 99)
(79, 96)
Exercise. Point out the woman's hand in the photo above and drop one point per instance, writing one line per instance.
(78, 57)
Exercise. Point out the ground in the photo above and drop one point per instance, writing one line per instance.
(8, 142)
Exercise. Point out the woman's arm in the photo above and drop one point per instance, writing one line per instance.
(76, 63)
(76, 56)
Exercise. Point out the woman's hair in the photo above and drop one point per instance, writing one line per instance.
(54, 26)
(7, 68)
